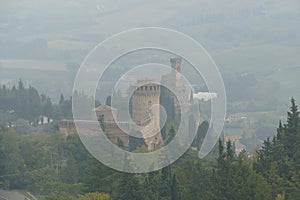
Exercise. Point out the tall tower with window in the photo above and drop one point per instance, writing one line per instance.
(175, 82)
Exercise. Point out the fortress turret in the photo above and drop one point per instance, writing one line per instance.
(145, 109)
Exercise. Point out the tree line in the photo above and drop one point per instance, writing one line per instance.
(26, 103)
(56, 167)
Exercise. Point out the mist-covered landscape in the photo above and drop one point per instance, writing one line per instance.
(254, 44)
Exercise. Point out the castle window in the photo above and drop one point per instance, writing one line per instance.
(146, 87)
(150, 87)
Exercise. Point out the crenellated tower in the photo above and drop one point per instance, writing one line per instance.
(145, 109)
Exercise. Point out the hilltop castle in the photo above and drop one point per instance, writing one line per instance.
(145, 109)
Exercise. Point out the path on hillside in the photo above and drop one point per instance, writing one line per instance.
(11, 195)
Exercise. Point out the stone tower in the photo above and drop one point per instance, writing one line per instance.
(176, 64)
(174, 81)
(145, 110)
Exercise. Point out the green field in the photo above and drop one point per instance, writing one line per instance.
(260, 59)
(270, 63)
(289, 83)
(233, 131)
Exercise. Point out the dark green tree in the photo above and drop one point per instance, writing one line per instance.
(278, 160)
(175, 193)
(128, 187)
(135, 142)
(201, 133)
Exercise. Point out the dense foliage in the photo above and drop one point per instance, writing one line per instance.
(27, 104)
(56, 167)
(279, 159)
(24, 103)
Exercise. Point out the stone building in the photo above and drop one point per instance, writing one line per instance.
(184, 101)
(176, 85)
(106, 112)
(66, 127)
(146, 110)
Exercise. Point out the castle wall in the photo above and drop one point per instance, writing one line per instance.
(113, 131)
(106, 112)
(66, 127)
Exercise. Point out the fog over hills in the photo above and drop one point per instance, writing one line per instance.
(218, 122)
(236, 34)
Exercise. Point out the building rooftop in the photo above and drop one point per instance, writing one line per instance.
(102, 108)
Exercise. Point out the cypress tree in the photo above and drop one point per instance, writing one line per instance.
(175, 193)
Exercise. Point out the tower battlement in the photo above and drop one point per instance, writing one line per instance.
(148, 88)
(146, 94)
